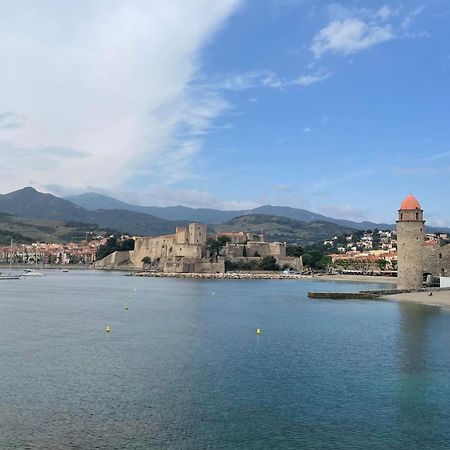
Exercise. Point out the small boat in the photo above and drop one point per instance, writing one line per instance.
(32, 273)
(65, 270)
(9, 277)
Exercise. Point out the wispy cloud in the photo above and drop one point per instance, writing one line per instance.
(350, 36)
(410, 18)
(306, 80)
(10, 120)
(111, 79)
(344, 212)
(267, 79)
(352, 30)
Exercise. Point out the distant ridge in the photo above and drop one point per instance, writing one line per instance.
(152, 221)
(30, 203)
(94, 201)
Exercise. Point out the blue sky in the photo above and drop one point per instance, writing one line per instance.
(341, 108)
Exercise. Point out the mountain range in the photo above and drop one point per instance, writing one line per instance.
(93, 201)
(278, 222)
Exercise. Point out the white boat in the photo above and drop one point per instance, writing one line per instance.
(9, 277)
(32, 273)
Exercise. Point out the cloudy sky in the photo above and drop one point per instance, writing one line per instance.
(341, 108)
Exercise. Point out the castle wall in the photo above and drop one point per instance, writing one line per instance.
(277, 249)
(263, 249)
(193, 265)
(234, 250)
(181, 235)
(437, 261)
(115, 259)
(154, 248)
(291, 261)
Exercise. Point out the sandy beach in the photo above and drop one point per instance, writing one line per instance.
(439, 298)
(356, 278)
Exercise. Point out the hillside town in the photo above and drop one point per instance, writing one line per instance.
(81, 253)
(372, 250)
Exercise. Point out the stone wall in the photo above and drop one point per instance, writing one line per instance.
(115, 259)
(193, 265)
(291, 261)
(410, 239)
(437, 261)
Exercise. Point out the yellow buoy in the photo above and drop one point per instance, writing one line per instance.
(258, 331)
(107, 329)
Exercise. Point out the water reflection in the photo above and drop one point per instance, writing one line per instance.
(416, 413)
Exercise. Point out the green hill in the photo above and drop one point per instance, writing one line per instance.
(25, 231)
(29, 203)
(284, 229)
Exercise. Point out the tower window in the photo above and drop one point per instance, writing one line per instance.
(440, 255)
(417, 216)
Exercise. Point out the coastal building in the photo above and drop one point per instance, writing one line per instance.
(186, 251)
(419, 258)
(183, 251)
(245, 246)
(410, 244)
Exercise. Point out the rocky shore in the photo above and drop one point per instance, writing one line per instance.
(226, 276)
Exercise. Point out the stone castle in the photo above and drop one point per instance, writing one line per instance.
(186, 251)
(415, 259)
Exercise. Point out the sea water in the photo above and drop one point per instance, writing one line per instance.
(183, 367)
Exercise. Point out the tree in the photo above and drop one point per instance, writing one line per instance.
(269, 263)
(113, 245)
(294, 250)
(382, 263)
(376, 241)
(316, 260)
(215, 245)
(146, 260)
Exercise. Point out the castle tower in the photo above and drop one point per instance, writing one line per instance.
(410, 239)
(197, 234)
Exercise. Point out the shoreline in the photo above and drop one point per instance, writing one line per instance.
(269, 276)
(439, 298)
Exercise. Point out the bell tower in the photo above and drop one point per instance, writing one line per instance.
(410, 240)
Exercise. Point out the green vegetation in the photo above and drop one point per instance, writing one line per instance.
(283, 229)
(215, 245)
(314, 256)
(267, 263)
(114, 245)
(26, 231)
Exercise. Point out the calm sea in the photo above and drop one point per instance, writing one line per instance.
(183, 368)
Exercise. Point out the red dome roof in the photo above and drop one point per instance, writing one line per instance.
(410, 202)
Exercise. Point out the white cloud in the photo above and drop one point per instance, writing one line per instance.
(306, 80)
(352, 30)
(267, 79)
(409, 20)
(385, 12)
(343, 212)
(350, 36)
(109, 79)
(10, 120)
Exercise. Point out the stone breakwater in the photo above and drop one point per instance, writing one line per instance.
(225, 276)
